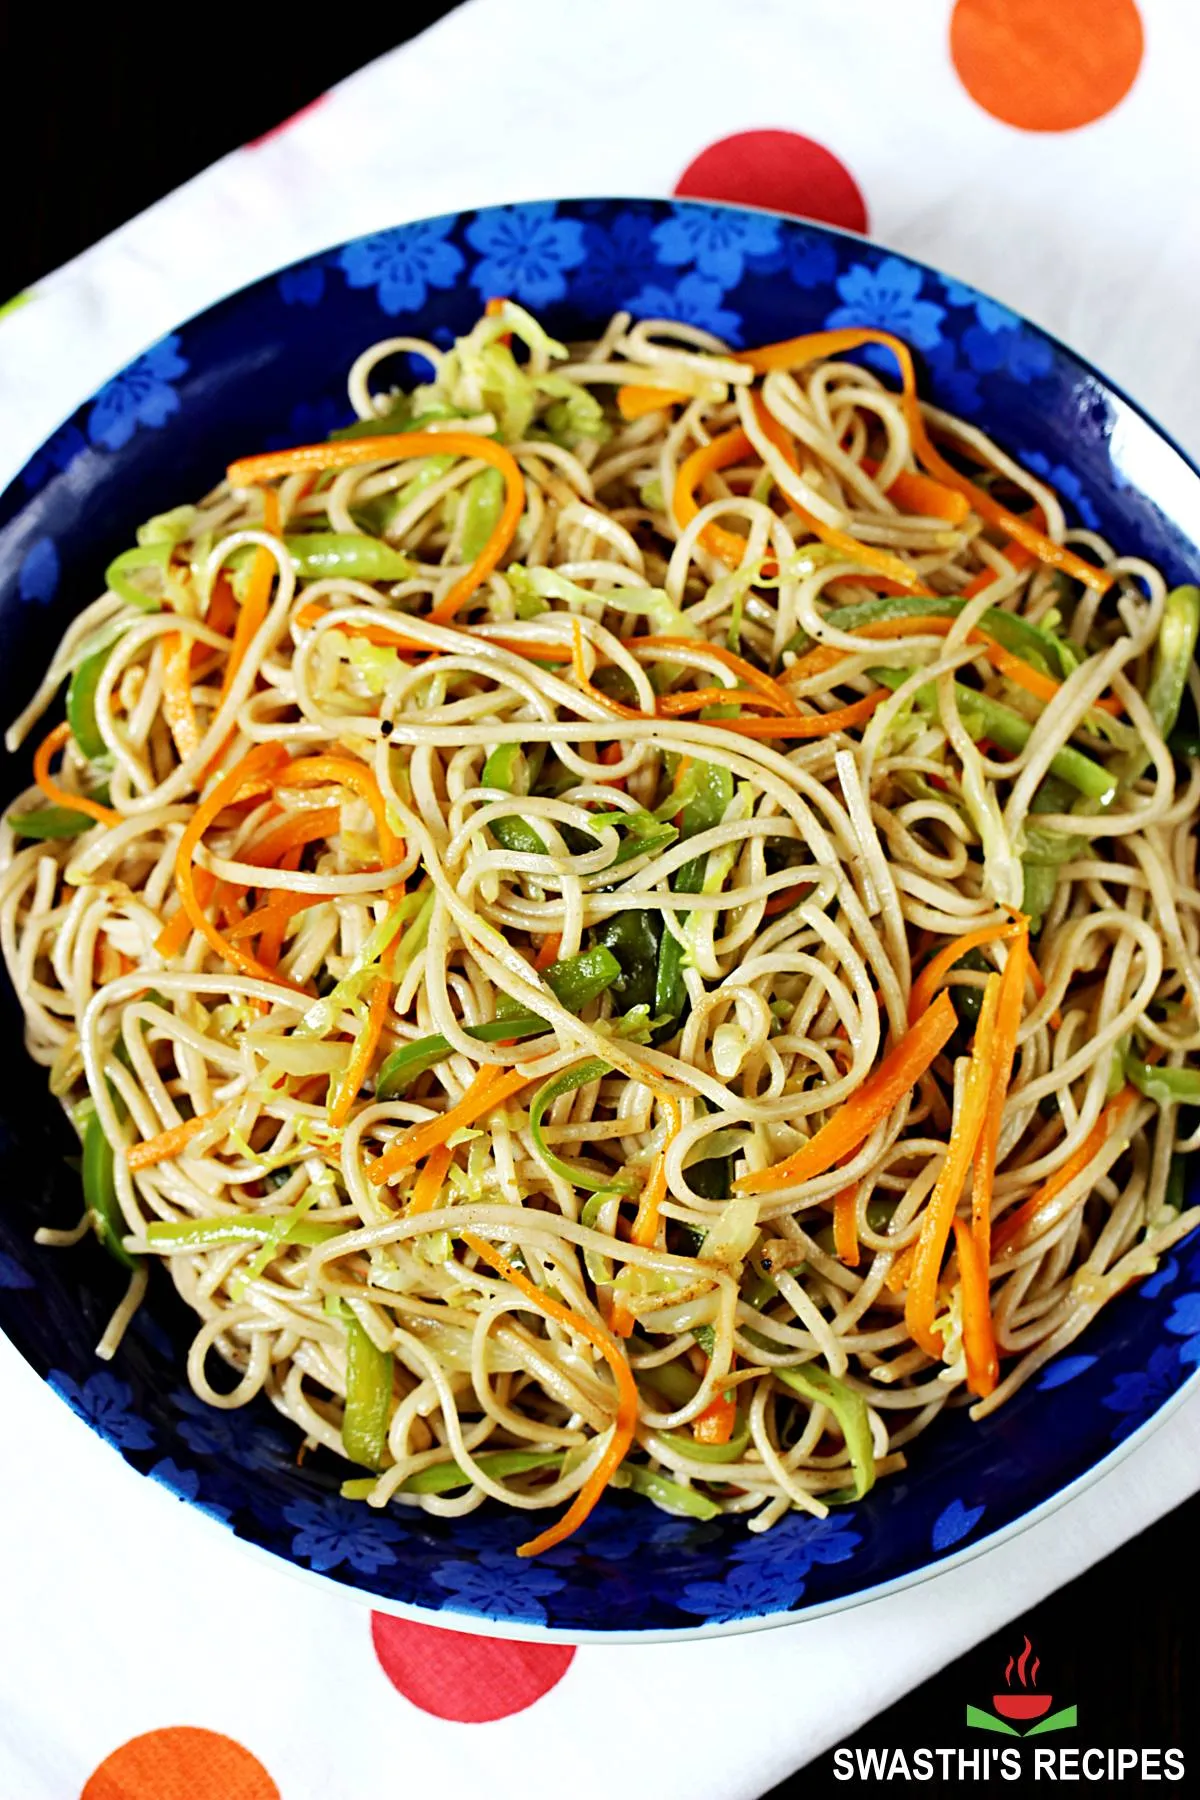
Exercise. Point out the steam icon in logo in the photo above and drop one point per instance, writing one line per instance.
(1022, 1704)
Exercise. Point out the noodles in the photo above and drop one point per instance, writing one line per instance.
(623, 922)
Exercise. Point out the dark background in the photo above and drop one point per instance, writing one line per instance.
(101, 118)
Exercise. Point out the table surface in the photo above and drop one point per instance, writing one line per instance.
(99, 145)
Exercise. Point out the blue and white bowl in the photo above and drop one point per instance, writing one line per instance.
(267, 367)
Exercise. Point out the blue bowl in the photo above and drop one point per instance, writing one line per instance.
(267, 367)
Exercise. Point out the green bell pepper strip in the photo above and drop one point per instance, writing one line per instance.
(50, 822)
(1034, 645)
(1167, 1086)
(674, 1380)
(1039, 880)
(709, 797)
(482, 502)
(81, 704)
(319, 553)
(566, 1083)
(443, 1478)
(100, 1192)
(368, 1396)
(1177, 1183)
(119, 570)
(202, 1234)
(668, 1494)
(1009, 730)
(574, 982)
(506, 768)
(633, 938)
(850, 1411)
(1174, 654)
(733, 1451)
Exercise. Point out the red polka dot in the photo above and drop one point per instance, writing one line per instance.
(780, 170)
(1047, 65)
(180, 1762)
(469, 1679)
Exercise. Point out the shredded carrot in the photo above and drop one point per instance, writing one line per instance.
(786, 897)
(399, 447)
(548, 950)
(1018, 556)
(858, 1116)
(490, 1087)
(1039, 988)
(978, 1334)
(901, 1269)
(921, 1303)
(634, 402)
(276, 912)
(168, 1144)
(627, 1395)
(221, 615)
(256, 602)
(50, 744)
(179, 928)
(307, 827)
(913, 492)
(315, 771)
(177, 706)
(693, 700)
(747, 674)
(843, 718)
(364, 1053)
(795, 352)
(389, 635)
(1008, 1024)
(845, 1225)
(645, 1225)
(270, 943)
(261, 759)
(939, 966)
(715, 1425)
(430, 1179)
(1026, 1219)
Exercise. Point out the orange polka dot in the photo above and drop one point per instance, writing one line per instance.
(180, 1762)
(1047, 65)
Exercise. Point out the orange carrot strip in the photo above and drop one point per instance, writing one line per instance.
(795, 352)
(715, 1424)
(901, 1269)
(52, 742)
(858, 1116)
(177, 706)
(368, 1043)
(845, 1225)
(1039, 988)
(939, 966)
(491, 1086)
(917, 493)
(257, 761)
(307, 827)
(921, 1304)
(168, 1144)
(634, 402)
(1008, 1024)
(427, 1188)
(691, 700)
(1018, 1224)
(270, 943)
(276, 912)
(179, 928)
(314, 771)
(785, 897)
(747, 674)
(843, 718)
(548, 950)
(256, 602)
(399, 447)
(1018, 556)
(627, 1396)
(645, 1225)
(978, 1333)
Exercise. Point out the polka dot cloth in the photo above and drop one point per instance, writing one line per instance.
(1043, 149)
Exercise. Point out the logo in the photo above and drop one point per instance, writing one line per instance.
(1022, 1710)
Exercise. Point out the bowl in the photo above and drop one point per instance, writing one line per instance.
(267, 367)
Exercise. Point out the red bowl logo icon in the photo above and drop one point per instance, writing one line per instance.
(1021, 1706)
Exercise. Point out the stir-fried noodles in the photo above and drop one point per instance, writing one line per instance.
(630, 919)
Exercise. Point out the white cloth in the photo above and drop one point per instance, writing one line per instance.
(124, 1610)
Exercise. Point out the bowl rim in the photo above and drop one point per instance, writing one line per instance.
(474, 1623)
